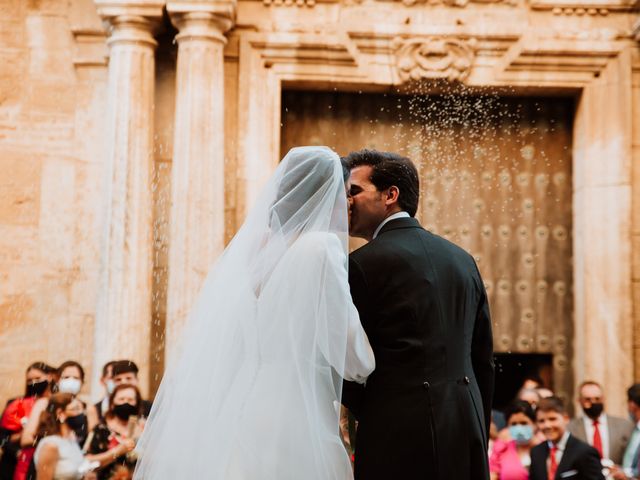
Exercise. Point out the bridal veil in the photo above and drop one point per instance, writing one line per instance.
(255, 388)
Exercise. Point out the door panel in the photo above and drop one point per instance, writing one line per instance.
(495, 178)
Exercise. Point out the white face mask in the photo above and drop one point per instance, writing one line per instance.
(70, 385)
(111, 386)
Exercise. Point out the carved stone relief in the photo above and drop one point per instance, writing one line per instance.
(434, 58)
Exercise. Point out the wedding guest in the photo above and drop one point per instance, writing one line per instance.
(122, 422)
(39, 378)
(562, 455)
(510, 458)
(126, 372)
(607, 434)
(71, 380)
(109, 385)
(498, 419)
(531, 382)
(544, 392)
(529, 395)
(493, 436)
(629, 468)
(58, 455)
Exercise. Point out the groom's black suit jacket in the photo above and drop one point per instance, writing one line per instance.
(424, 412)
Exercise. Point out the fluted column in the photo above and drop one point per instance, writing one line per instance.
(124, 314)
(197, 176)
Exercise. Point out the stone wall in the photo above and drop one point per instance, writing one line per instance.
(52, 82)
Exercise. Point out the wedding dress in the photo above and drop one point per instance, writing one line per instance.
(255, 391)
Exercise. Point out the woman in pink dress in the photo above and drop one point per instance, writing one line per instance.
(510, 457)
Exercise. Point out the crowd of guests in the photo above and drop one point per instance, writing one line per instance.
(534, 438)
(53, 433)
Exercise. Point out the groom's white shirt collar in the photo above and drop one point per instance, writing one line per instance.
(388, 219)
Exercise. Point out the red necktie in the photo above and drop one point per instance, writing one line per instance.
(553, 464)
(597, 439)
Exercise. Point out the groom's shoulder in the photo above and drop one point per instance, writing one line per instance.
(408, 242)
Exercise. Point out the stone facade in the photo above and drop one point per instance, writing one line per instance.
(108, 107)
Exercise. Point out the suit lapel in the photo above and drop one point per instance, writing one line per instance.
(567, 456)
(542, 471)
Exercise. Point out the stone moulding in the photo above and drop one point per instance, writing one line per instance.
(455, 3)
(585, 7)
(90, 47)
(434, 58)
(307, 51)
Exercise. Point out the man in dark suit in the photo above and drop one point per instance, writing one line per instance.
(425, 410)
(606, 433)
(562, 455)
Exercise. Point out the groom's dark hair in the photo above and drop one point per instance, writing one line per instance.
(391, 169)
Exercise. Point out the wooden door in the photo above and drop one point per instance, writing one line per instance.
(495, 178)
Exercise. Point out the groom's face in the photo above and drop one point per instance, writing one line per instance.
(368, 203)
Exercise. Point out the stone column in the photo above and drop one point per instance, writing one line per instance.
(197, 188)
(124, 312)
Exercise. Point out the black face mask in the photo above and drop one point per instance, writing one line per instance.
(37, 388)
(78, 424)
(124, 411)
(594, 411)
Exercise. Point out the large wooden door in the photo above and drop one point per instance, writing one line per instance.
(495, 179)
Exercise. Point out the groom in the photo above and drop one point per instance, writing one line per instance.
(425, 411)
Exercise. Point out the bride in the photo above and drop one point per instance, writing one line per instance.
(255, 391)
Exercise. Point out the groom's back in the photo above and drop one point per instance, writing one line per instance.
(423, 305)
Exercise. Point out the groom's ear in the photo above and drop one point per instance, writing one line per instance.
(392, 195)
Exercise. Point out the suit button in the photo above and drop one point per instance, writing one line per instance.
(426, 385)
(466, 380)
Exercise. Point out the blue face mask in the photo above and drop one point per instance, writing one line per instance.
(522, 434)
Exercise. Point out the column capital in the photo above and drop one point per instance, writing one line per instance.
(202, 19)
(131, 22)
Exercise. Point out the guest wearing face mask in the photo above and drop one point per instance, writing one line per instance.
(58, 455)
(109, 385)
(69, 379)
(123, 422)
(510, 458)
(126, 372)
(39, 377)
(607, 434)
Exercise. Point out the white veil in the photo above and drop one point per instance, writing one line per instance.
(254, 391)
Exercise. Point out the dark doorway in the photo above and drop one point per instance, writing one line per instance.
(513, 368)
